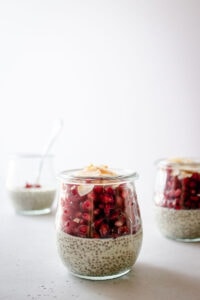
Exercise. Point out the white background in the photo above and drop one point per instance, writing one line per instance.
(123, 75)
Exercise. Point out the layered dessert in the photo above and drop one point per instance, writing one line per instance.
(99, 231)
(32, 198)
(177, 199)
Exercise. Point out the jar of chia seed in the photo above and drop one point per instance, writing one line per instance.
(177, 198)
(98, 223)
(31, 183)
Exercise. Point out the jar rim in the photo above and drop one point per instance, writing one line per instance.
(122, 174)
(29, 155)
(178, 162)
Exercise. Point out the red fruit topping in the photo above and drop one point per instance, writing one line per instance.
(98, 189)
(86, 217)
(115, 215)
(123, 230)
(98, 222)
(194, 198)
(37, 185)
(119, 202)
(106, 198)
(95, 235)
(83, 231)
(29, 185)
(104, 230)
(104, 212)
(73, 190)
(109, 190)
(70, 227)
(177, 193)
(181, 193)
(107, 209)
(78, 214)
(125, 193)
(91, 195)
(87, 205)
(97, 212)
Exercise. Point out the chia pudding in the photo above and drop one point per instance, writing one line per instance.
(99, 258)
(98, 223)
(180, 225)
(177, 199)
(32, 200)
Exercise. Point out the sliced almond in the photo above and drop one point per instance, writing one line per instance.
(85, 189)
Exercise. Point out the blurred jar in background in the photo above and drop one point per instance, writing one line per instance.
(31, 183)
(177, 198)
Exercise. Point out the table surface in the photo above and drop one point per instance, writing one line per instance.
(31, 269)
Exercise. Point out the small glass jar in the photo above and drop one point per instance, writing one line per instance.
(31, 183)
(98, 224)
(177, 198)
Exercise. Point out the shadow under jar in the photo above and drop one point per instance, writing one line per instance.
(177, 199)
(98, 224)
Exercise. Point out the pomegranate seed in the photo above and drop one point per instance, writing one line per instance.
(83, 230)
(66, 216)
(192, 184)
(123, 230)
(91, 195)
(177, 193)
(193, 192)
(37, 185)
(125, 193)
(119, 202)
(86, 217)
(97, 212)
(106, 198)
(78, 214)
(183, 191)
(194, 198)
(28, 185)
(87, 205)
(104, 230)
(70, 227)
(195, 176)
(103, 208)
(95, 235)
(98, 222)
(107, 209)
(114, 216)
(185, 181)
(109, 190)
(73, 190)
(98, 189)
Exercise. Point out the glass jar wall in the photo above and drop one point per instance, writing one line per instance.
(98, 224)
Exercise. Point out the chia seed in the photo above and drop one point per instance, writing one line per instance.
(99, 258)
(178, 224)
(32, 201)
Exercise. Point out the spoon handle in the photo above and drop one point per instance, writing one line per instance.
(54, 135)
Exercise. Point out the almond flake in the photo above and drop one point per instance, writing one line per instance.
(85, 189)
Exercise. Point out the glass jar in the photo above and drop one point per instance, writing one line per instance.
(98, 224)
(31, 183)
(177, 198)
